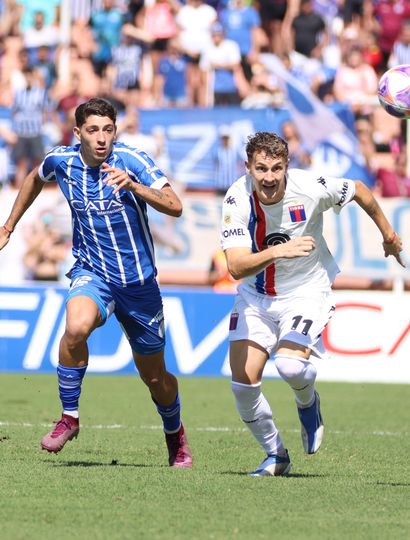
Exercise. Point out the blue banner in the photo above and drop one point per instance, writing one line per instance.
(32, 321)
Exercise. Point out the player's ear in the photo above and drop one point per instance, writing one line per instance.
(247, 166)
(76, 132)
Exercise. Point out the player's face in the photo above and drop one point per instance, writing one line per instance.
(269, 177)
(96, 136)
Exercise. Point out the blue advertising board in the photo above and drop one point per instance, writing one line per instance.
(32, 321)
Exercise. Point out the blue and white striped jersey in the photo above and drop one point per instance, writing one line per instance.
(29, 106)
(111, 236)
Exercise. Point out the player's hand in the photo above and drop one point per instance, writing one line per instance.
(4, 237)
(297, 247)
(394, 248)
(116, 177)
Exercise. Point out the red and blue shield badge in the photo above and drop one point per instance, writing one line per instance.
(297, 213)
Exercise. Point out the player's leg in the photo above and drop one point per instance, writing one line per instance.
(247, 361)
(87, 307)
(253, 335)
(300, 374)
(140, 313)
(302, 323)
(163, 387)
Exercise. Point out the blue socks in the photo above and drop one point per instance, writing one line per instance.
(69, 385)
(171, 416)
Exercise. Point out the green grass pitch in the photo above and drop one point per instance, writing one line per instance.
(113, 482)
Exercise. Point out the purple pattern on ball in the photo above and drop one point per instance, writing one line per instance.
(396, 103)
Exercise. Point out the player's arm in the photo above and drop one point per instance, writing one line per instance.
(29, 191)
(164, 200)
(242, 262)
(392, 243)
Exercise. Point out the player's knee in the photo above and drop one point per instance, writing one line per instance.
(78, 331)
(153, 380)
(294, 370)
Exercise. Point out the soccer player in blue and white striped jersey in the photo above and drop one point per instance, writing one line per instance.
(108, 186)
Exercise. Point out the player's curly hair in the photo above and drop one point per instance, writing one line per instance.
(268, 143)
(97, 106)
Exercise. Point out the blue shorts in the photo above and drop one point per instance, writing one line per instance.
(138, 309)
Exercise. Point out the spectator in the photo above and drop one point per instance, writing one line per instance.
(17, 76)
(125, 70)
(158, 19)
(194, 21)
(171, 82)
(309, 31)
(388, 17)
(276, 19)
(45, 66)
(66, 107)
(40, 34)
(356, 82)
(221, 65)
(30, 108)
(401, 48)
(228, 162)
(394, 182)
(242, 23)
(29, 8)
(7, 140)
(106, 24)
(372, 53)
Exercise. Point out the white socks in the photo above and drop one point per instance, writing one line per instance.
(300, 374)
(257, 414)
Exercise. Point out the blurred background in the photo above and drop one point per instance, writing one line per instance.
(191, 80)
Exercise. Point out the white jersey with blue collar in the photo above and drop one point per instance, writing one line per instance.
(111, 236)
(248, 223)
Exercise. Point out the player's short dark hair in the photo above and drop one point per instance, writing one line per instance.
(268, 143)
(96, 106)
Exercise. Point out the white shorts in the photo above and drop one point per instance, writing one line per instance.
(266, 320)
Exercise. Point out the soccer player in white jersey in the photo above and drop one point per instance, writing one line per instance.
(272, 237)
(108, 186)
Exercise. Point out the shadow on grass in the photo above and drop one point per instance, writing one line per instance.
(393, 484)
(289, 476)
(114, 463)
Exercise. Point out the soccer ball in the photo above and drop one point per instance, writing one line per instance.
(394, 91)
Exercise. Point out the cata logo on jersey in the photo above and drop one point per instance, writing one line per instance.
(100, 206)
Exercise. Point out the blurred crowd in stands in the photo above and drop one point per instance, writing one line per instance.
(153, 54)
(196, 53)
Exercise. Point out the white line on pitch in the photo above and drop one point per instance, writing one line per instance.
(206, 429)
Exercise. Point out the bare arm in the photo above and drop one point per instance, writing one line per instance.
(164, 200)
(242, 262)
(29, 191)
(392, 243)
